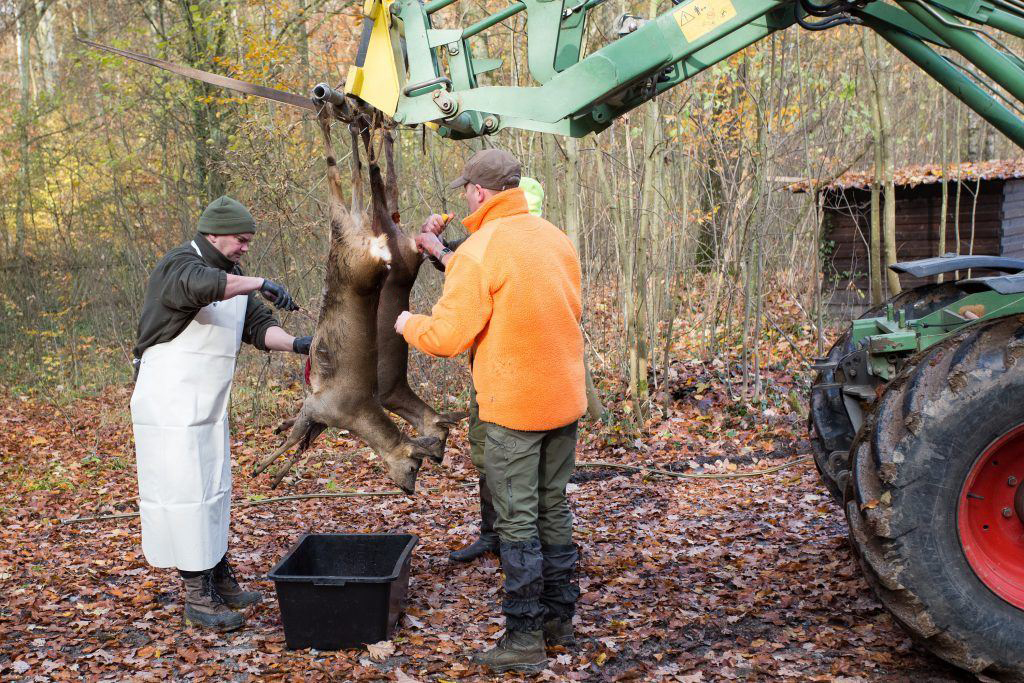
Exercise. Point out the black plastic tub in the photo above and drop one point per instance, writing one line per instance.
(342, 590)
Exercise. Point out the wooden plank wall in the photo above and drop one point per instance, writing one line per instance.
(1013, 219)
(918, 209)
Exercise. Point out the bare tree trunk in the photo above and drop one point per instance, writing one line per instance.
(631, 249)
(202, 47)
(819, 304)
(988, 145)
(889, 230)
(302, 45)
(885, 145)
(571, 217)
(959, 185)
(944, 155)
(878, 136)
(25, 21)
(875, 240)
(679, 246)
(973, 137)
(47, 41)
(595, 409)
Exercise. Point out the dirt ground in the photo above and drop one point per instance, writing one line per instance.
(682, 579)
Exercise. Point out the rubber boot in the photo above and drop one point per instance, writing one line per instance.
(522, 646)
(559, 632)
(488, 541)
(560, 593)
(205, 608)
(227, 587)
(521, 651)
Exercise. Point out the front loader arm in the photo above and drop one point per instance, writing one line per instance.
(574, 96)
(435, 79)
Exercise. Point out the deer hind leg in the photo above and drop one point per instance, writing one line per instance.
(388, 241)
(357, 173)
(385, 198)
(377, 236)
(333, 175)
(391, 180)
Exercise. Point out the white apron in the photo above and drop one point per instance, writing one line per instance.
(182, 440)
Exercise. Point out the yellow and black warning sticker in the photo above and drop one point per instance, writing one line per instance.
(697, 17)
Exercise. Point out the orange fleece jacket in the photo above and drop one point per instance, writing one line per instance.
(512, 292)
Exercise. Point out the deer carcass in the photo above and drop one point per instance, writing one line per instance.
(395, 394)
(344, 357)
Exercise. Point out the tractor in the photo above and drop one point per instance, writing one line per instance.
(917, 422)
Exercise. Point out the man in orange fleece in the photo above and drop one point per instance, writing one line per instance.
(439, 251)
(512, 296)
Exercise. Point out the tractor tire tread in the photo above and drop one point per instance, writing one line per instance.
(898, 520)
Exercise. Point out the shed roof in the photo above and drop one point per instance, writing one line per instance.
(923, 174)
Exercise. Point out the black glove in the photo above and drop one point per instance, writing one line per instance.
(278, 295)
(301, 345)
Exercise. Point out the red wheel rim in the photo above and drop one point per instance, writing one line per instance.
(989, 517)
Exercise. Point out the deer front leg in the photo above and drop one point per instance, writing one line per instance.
(304, 431)
(393, 388)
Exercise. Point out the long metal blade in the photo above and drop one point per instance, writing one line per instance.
(212, 79)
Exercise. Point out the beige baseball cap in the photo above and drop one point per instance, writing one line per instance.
(494, 169)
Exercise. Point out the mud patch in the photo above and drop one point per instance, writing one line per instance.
(588, 474)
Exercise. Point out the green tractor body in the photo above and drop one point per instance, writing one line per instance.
(917, 416)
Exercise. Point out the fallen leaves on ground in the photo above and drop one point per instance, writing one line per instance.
(381, 651)
(681, 580)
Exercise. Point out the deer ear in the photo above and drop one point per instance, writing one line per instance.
(285, 426)
(427, 447)
(451, 419)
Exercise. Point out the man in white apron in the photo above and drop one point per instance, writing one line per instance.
(198, 309)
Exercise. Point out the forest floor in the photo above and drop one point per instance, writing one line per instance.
(682, 579)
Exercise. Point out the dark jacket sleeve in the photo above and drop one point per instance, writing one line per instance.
(453, 245)
(258, 319)
(187, 283)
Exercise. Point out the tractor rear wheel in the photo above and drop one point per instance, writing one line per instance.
(935, 502)
(830, 427)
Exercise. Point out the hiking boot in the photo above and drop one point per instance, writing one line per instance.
(227, 587)
(487, 543)
(559, 632)
(205, 608)
(521, 651)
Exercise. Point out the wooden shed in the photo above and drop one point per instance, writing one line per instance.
(990, 196)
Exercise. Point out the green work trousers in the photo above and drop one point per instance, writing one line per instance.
(477, 433)
(527, 473)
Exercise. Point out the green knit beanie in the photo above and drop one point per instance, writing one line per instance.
(226, 216)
